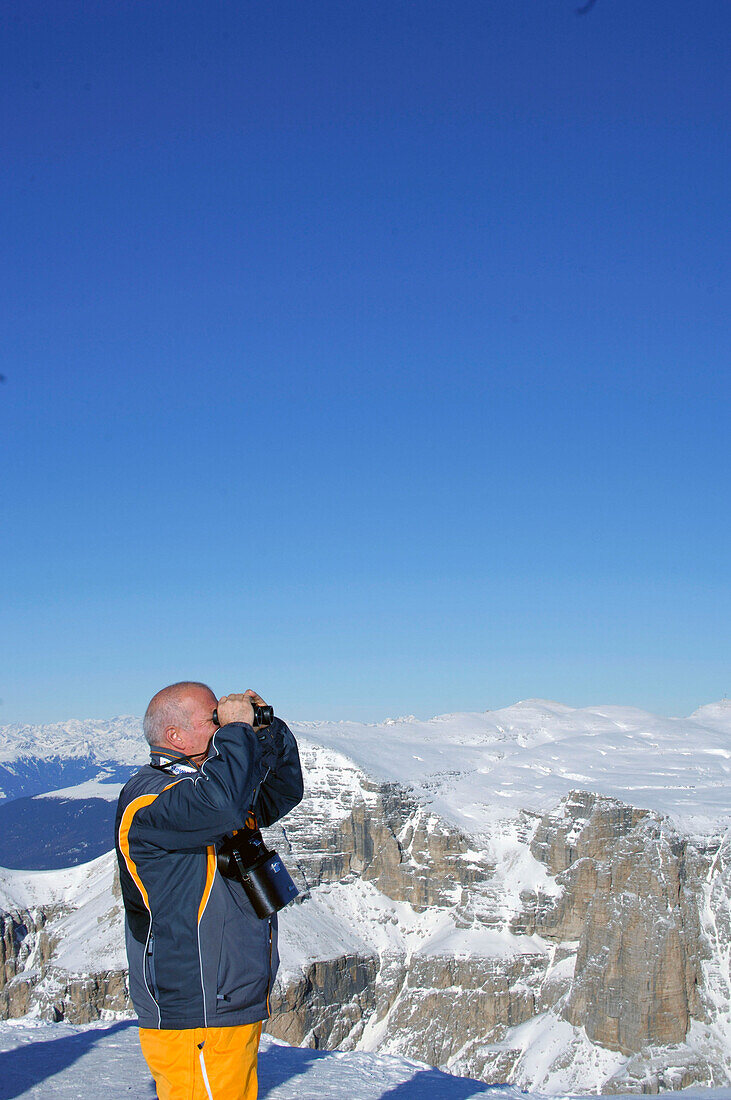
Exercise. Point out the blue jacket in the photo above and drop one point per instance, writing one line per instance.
(198, 954)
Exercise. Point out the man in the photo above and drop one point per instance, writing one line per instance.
(201, 962)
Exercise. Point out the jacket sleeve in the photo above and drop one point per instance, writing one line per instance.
(283, 786)
(198, 810)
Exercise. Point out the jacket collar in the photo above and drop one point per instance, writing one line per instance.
(176, 761)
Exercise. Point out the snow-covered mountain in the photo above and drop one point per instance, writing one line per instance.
(92, 741)
(58, 786)
(477, 768)
(472, 767)
(537, 895)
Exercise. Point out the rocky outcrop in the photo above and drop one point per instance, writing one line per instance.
(25, 950)
(624, 911)
(31, 979)
(631, 898)
(385, 837)
(428, 1008)
(445, 1003)
(637, 967)
(329, 1005)
(81, 999)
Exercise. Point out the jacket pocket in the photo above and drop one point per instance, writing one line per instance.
(243, 963)
(150, 967)
(139, 984)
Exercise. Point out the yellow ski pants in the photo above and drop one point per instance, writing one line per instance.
(203, 1063)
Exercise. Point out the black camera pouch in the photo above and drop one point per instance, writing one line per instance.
(267, 882)
(269, 886)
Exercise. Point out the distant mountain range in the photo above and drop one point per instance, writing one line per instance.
(471, 768)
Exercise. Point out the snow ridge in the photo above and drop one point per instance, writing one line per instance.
(475, 768)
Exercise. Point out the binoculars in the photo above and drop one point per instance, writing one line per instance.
(263, 716)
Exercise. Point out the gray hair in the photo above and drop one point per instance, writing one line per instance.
(169, 707)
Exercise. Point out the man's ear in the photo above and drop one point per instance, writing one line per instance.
(173, 737)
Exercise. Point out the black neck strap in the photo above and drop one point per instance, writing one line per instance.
(179, 760)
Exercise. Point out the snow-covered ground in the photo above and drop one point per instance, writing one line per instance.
(42, 1061)
(59, 1062)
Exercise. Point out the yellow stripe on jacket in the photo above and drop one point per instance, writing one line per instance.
(124, 827)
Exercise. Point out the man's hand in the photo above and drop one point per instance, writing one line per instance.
(239, 708)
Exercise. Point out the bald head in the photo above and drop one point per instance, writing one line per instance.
(175, 705)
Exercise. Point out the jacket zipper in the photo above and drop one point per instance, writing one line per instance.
(269, 982)
(150, 969)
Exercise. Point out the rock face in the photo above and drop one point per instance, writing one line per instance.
(637, 967)
(25, 946)
(597, 923)
(32, 980)
(631, 899)
(619, 920)
(328, 1005)
(387, 838)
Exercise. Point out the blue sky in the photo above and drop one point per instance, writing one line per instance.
(372, 355)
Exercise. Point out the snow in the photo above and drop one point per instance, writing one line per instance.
(91, 789)
(69, 886)
(476, 767)
(517, 871)
(58, 1062)
(43, 1061)
(355, 918)
(544, 1041)
(91, 938)
(89, 929)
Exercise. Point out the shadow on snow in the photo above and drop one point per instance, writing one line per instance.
(280, 1064)
(31, 1063)
(437, 1085)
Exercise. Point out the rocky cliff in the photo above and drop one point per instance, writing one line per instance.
(597, 917)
